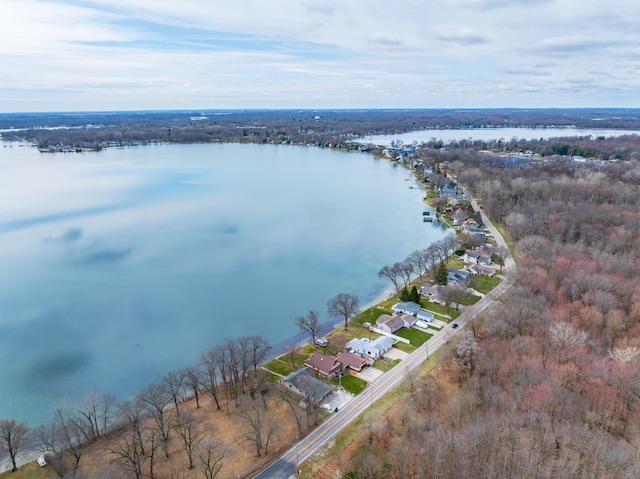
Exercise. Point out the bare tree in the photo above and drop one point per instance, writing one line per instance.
(392, 274)
(502, 254)
(259, 349)
(173, 383)
(466, 353)
(406, 269)
(14, 436)
(211, 453)
(68, 437)
(253, 416)
(209, 380)
(188, 428)
(193, 380)
(345, 305)
(129, 453)
(564, 334)
(155, 398)
(420, 262)
(309, 324)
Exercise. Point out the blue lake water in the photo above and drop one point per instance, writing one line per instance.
(121, 265)
(489, 134)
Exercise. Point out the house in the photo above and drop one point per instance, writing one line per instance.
(424, 315)
(482, 270)
(389, 324)
(303, 382)
(367, 347)
(408, 307)
(431, 291)
(351, 362)
(324, 365)
(476, 257)
(458, 276)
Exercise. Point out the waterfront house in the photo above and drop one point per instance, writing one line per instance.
(324, 365)
(367, 347)
(304, 383)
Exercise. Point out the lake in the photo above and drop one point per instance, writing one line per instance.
(121, 265)
(489, 134)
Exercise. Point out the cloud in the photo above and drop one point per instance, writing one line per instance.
(70, 236)
(138, 54)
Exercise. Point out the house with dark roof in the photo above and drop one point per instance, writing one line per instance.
(351, 362)
(304, 383)
(324, 365)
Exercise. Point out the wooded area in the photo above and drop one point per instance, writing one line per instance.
(548, 384)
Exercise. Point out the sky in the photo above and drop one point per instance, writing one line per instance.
(88, 55)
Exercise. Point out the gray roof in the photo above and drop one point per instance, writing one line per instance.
(305, 380)
(408, 307)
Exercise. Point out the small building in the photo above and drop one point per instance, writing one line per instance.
(482, 270)
(304, 383)
(324, 365)
(367, 347)
(408, 307)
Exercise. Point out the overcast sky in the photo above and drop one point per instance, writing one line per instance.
(221, 54)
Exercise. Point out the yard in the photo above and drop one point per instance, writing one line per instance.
(30, 471)
(351, 384)
(417, 337)
(484, 284)
(439, 309)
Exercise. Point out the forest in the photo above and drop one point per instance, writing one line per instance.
(329, 128)
(546, 385)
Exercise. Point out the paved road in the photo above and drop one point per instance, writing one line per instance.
(286, 466)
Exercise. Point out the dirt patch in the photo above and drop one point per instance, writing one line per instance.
(240, 459)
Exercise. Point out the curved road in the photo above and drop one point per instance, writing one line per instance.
(286, 466)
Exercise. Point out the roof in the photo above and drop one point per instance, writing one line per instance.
(322, 362)
(305, 381)
(351, 361)
(407, 307)
(392, 322)
(383, 343)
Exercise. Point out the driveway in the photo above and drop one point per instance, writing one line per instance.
(337, 400)
(369, 374)
(394, 353)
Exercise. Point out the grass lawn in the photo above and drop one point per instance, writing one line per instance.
(417, 337)
(439, 309)
(471, 299)
(281, 367)
(372, 314)
(385, 366)
(407, 348)
(351, 383)
(484, 284)
(30, 471)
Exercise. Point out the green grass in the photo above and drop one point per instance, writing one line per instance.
(371, 315)
(484, 284)
(407, 348)
(351, 383)
(385, 366)
(30, 471)
(417, 337)
(469, 300)
(439, 309)
(280, 366)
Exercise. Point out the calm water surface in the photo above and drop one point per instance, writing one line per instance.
(489, 134)
(118, 266)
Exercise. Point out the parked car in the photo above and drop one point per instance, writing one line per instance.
(321, 342)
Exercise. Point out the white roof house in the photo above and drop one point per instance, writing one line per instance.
(367, 347)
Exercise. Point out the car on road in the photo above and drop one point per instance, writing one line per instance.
(454, 325)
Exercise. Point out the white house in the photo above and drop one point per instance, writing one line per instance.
(367, 347)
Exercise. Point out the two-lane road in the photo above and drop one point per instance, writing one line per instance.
(286, 466)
